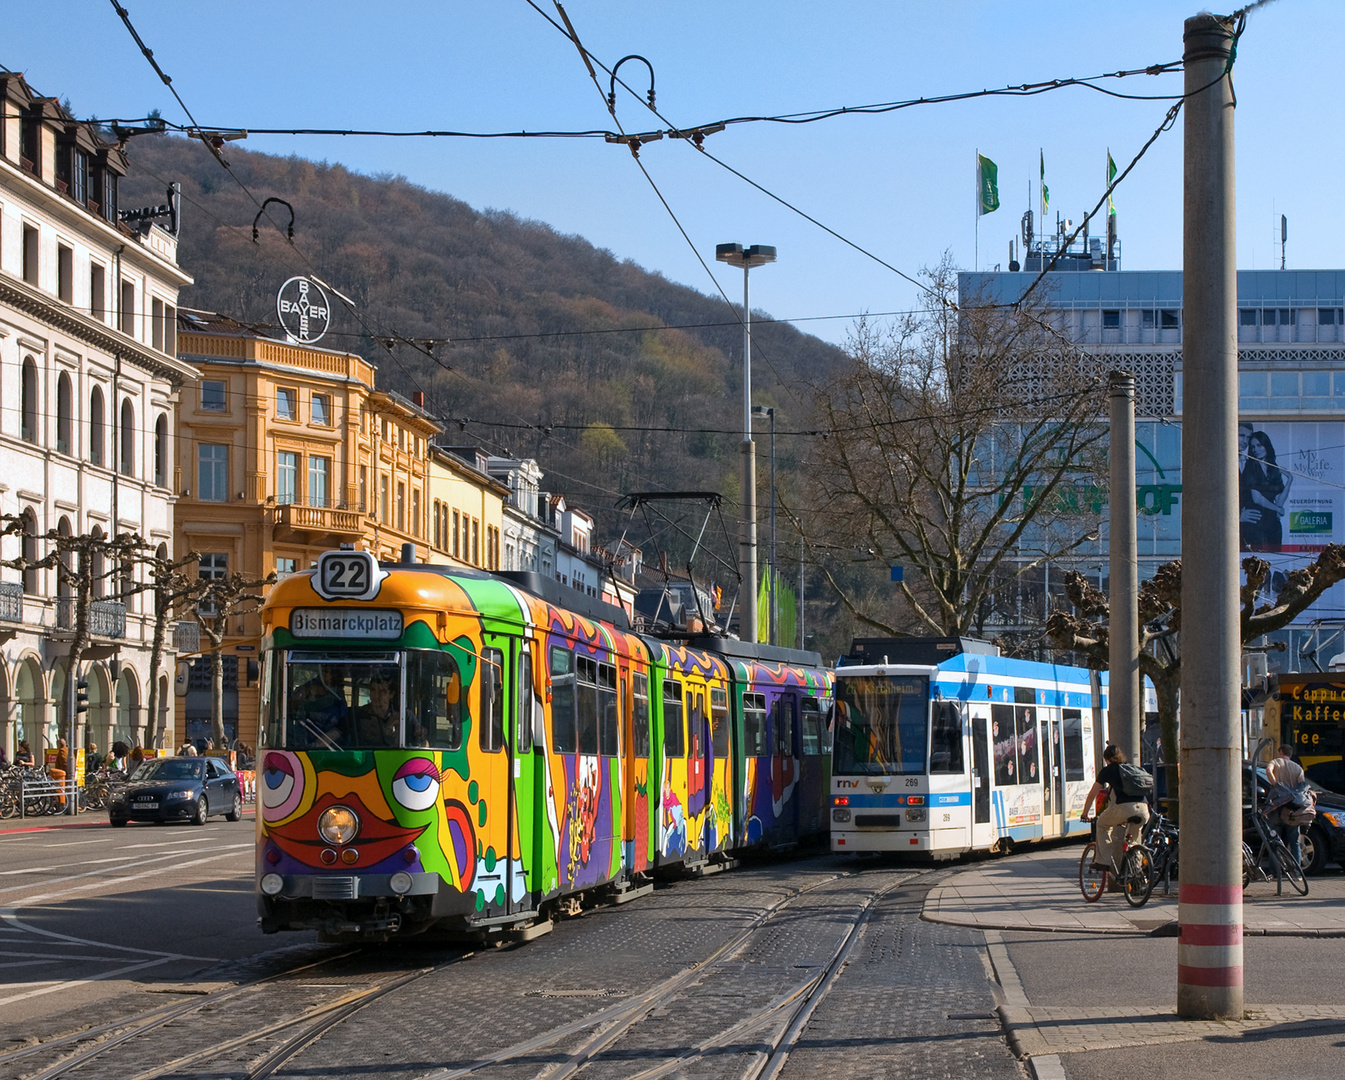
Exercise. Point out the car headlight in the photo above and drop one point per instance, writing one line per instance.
(177, 796)
(272, 884)
(400, 882)
(338, 825)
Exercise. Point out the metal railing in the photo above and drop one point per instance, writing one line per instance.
(11, 601)
(107, 618)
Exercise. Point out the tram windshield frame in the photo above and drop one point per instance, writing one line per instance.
(340, 701)
(881, 725)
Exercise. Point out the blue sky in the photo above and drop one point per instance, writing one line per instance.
(900, 185)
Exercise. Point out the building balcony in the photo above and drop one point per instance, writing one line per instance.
(107, 618)
(11, 602)
(318, 520)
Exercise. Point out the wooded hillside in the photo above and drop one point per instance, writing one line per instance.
(521, 306)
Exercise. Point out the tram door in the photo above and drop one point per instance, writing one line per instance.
(525, 783)
(1048, 738)
(982, 833)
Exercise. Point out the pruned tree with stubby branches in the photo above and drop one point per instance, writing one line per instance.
(1084, 630)
(219, 600)
(967, 445)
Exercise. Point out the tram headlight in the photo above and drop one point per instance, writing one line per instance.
(840, 814)
(272, 884)
(338, 825)
(400, 882)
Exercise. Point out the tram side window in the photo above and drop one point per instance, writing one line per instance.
(434, 691)
(1073, 744)
(1025, 724)
(523, 736)
(1005, 745)
(719, 722)
(640, 720)
(609, 720)
(810, 728)
(674, 730)
(491, 736)
(564, 738)
(782, 724)
(945, 751)
(586, 701)
(754, 725)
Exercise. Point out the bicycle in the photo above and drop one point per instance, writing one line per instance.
(1273, 853)
(1136, 875)
(1161, 837)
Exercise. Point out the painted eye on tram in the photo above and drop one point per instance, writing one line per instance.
(416, 784)
(282, 784)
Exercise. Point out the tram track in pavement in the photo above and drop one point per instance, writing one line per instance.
(786, 1015)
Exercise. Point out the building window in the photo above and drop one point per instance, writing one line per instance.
(156, 323)
(383, 498)
(97, 292)
(96, 423)
(212, 473)
(364, 488)
(65, 273)
(30, 255)
(28, 401)
(286, 567)
(434, 527)
(322, 410)
(1246, 316)
(161, 451)
(401, 507)
(1170, 320)
(1327, 316)
(214, 396)
(64, 407)
(214, 566)
(128, 308)
(79, 177)
(1111, 320)
(127, 438)
(457, 537)
(415, 512)
(476, 542)
(285, 409)
(287, 477)
(32, 577)
(319, 472)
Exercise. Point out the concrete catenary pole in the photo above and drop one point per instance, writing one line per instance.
(1209, 951)
(747, 612)
(1123, 635)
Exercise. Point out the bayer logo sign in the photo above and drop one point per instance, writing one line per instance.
(303, 309)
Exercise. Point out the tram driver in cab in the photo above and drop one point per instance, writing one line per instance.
(378, 723)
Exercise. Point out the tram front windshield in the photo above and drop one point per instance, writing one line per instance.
(326, 701)
(881, 725)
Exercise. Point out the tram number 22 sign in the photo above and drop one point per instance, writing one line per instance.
(348, 575)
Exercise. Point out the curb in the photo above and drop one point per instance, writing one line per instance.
(1167, 929)
(55, 826)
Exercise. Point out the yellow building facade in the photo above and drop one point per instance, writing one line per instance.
(288, 450)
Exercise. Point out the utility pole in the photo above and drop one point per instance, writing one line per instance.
(1209, 951)
(1123, 631)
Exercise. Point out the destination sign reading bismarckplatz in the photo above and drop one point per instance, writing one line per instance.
(345, 623)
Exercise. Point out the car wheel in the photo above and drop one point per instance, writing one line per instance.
(117, 823)
(1315, 849)
(236, 814)
(202, 812)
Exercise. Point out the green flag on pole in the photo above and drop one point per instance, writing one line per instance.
(987, 185)
(1111, 175)
(1045, 192)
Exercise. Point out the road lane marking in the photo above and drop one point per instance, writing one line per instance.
(79, 843)
(29, 870)
(59, 985)
(145, 861)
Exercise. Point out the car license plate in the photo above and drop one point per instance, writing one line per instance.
(147, 806)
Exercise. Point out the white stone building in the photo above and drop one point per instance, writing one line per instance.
(88, 397)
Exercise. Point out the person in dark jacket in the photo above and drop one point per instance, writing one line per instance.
(1120, 809)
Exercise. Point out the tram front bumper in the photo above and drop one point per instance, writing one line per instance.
(352, 886)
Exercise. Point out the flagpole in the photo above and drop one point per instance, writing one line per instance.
(976, 258)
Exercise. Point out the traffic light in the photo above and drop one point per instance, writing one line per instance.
(81, 696)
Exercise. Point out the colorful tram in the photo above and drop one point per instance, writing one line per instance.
(941, 747)
(471, 752)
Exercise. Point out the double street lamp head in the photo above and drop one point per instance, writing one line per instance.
(747, 258)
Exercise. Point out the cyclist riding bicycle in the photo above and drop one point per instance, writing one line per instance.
(1122, 810)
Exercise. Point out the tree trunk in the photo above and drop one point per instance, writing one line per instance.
(217, 680)
(1167, 688)
(153, 733)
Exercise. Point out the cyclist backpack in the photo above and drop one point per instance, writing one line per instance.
(1136, 784)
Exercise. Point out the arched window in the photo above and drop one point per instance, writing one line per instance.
(63, 585)
(96, 582)
(161, 451)
(32, 577)
(64, 406)
(126, 572)
(28, 401)
(97, 421)
(127, 437)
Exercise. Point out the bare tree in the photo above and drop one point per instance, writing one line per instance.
(1084, 630)
(220, 599)
(173, 586)
(964, 445)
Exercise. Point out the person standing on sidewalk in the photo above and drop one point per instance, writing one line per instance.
(1120, 809)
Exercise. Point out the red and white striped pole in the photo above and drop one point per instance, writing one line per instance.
(1209, 950)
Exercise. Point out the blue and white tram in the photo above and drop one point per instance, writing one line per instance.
(942, 746)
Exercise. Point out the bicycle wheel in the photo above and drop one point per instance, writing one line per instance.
(1138, 876)
(1092, 881)
(1289, 867)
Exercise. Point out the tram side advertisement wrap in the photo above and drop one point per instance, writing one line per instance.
(345, 623)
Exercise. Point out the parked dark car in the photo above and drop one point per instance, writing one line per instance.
(1322, 843)
(178, 789)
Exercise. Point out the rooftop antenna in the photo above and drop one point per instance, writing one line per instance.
(1284, 237)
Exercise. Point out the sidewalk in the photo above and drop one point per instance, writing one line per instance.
(1039, 890)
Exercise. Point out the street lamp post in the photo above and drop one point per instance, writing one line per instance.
(747, 258)
(766, 410)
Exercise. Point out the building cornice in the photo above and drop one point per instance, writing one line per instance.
(23, 297)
